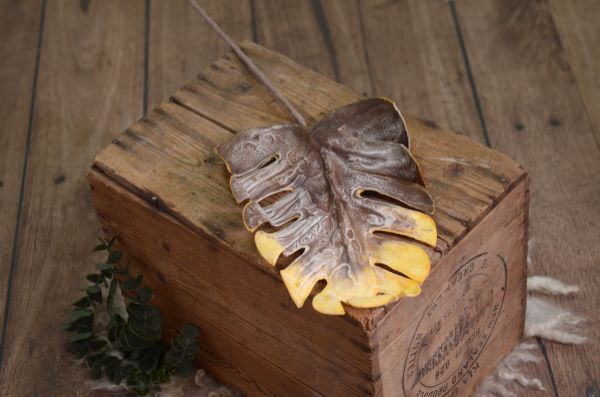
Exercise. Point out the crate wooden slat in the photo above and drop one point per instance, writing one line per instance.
(161, 189)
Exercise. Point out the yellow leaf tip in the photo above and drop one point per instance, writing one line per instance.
(268, 247)
(327, 303)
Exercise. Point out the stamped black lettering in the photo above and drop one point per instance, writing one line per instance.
(455, 328)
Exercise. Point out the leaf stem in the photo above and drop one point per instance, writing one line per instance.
(249, 64)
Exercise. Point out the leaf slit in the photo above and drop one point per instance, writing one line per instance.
(271, 198)
(389, 269)
(401, 237)
(285, 260)
(378, 196)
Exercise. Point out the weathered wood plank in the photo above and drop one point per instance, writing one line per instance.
(414, 54)
(90, 86)
(474, 304)
(323, 36)
(535, 113)
(579, 33)
(19, 28)
(415, 58)
(423, 66)
(234, 356)
(181, 44)
(432, 80)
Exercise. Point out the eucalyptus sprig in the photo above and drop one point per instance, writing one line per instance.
(130, 350)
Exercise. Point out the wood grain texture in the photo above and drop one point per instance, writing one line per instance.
(167, 160)
(181, 44)
(415, 58)
(315, 95)
(323, 36)
(579, 34)
(20, 28)
(479, 176)
(470, 314)
(91, 59)
(414, 55)
(536, 114)
(175, 57)
(231, 303)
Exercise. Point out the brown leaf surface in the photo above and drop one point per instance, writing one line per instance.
(333, 187)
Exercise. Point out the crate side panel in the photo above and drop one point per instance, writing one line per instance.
(227, 295)
(469, 315)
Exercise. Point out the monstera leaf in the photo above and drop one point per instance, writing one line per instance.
(347, 194)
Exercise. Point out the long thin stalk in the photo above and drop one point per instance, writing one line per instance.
(249, 64)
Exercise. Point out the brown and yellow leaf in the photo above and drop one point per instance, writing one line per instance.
(328, 191)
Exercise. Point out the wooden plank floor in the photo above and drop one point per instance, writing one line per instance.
(522, 76)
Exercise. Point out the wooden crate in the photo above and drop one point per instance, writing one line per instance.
(162, 190)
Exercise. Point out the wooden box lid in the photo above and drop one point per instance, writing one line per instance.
(168, 158)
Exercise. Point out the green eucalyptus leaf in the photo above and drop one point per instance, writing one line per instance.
(83, 302)
(184, 348)
(145, 294)
(142, 311)
(185, 369)
(97, 344)
(79, 313)
(120, 269)
(80, 348)
(92, 358)
(139, 329)
(82, 352)
(110, 296)
(100, 247)
(114, 256)
(97, 370)
(68, 327)
(111, 242)
(109, 360)
(137, 339)
(92, 289)
(95, 278)
(113, 372)
(190, 331)
(131, 342)
(145, 321)
(116, 321)
(94, 293)
(151, 356)
(132, 283)
(115, 327)
(81, 336)
(128, 372)
(107, 273)
(134, 355)
(103, 266)
(161, 375)
(141, 389)
(82, 323)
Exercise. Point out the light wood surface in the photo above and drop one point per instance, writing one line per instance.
(578, 32)
(514, 64)
(21, 23)
(177, 52)
(565, 251)
(90, 58)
